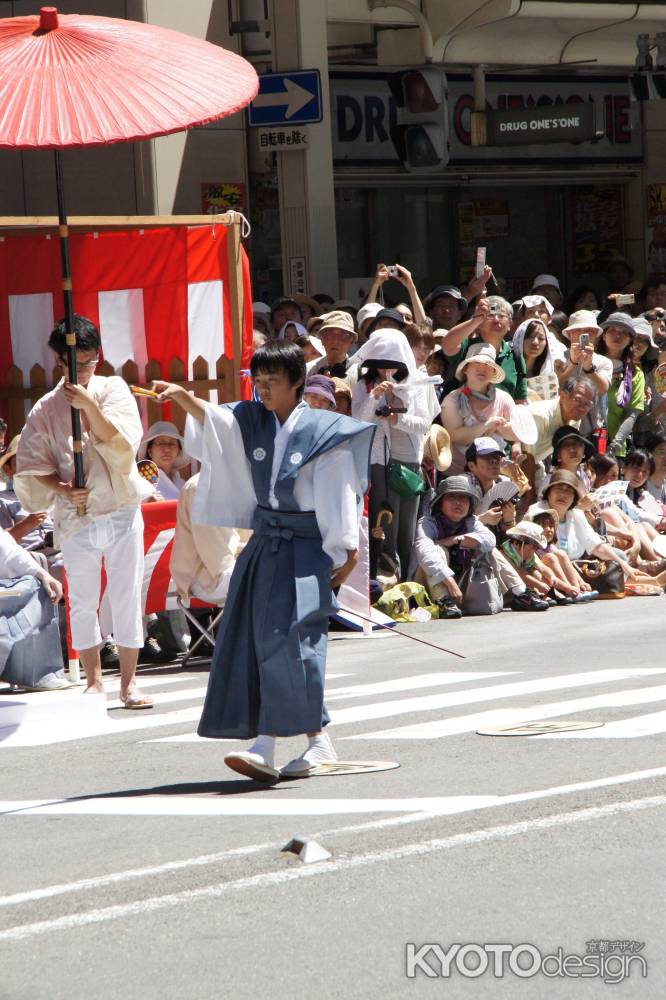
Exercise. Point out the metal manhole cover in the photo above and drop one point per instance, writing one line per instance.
(539, 728)
(352, 767)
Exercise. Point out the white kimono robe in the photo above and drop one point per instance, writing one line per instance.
(110, 468)
(226, 497)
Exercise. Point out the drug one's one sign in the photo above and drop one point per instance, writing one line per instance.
(556, 123)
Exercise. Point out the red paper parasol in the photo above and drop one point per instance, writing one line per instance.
(75, 80)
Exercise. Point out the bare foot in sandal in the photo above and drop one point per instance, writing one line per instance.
(136, 700)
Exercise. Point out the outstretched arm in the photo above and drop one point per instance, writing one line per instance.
(405, 278)
(168, 392)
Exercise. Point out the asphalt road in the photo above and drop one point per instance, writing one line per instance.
(133, 864)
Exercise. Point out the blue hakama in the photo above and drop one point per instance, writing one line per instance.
(268, 668)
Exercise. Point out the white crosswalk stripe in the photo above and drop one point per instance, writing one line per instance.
(429, 703)
(411, 683)
(502, 717)
(169, 697)
(517, 696)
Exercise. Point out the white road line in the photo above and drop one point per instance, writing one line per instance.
(146, 720)
(32, 895)
(169, 697)
(284, 875)
(440, 728)
(430, 702)
(264, 805)
(621, 729)
(100, 881)
(130, 722)
(34, 736)
(113, 686)
(414, 683)
(182, 738)
(281, 805)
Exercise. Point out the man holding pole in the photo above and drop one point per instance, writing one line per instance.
(296, 477)
(100, 521)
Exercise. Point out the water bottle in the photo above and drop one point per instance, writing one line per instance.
(601, 438)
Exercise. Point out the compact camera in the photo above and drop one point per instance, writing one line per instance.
(494, 309)
(387, 411)
(584, 340)
(392, 271)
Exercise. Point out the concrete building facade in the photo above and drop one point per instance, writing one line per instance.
(324, 216)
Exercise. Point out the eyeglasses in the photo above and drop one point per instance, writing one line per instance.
(81, 365)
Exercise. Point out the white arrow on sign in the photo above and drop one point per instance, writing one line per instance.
(294, 97)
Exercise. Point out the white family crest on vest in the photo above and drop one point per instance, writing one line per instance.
(259, 454)
(296, 458)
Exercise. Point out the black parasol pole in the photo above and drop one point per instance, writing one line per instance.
(70, 336)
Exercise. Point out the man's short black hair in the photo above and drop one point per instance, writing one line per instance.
(277, 356)
(87, 336)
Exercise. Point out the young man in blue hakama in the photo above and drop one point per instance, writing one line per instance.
(296, 477)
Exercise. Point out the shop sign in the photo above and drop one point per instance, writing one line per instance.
(298, 278)
(282, 140)
(223, 196)
(480, 221)
(656, 229)
(596, 226)
(557, 123)
(363, 112)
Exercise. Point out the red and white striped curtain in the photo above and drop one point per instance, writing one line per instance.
(156, 295)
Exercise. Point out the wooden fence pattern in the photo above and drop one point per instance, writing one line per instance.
(14, 394)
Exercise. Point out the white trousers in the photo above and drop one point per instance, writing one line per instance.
(117, 539)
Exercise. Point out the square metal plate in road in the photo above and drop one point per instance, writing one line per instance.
(287, 99)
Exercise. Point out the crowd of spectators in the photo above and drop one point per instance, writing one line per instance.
(520, 451)
(519, 459)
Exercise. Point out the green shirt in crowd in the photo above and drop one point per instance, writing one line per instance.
(637, 402)
(515, 375)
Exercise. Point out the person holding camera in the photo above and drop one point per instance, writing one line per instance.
(626, 396)
(490, 323)
(403, 417)
(583, 333)
(401, 274)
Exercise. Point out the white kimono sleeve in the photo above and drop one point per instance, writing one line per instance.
(338, 502)
(15, 561)
(225, 495)
(119, 407)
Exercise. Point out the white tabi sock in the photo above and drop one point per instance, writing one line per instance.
(320, 749)
(265, 747)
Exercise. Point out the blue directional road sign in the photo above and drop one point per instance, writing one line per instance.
(287, 99)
